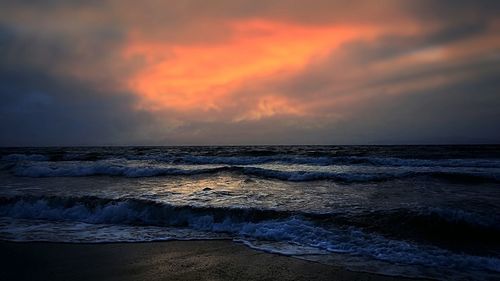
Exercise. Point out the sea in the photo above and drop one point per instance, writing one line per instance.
(414, 211)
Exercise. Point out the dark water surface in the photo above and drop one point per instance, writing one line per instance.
(427, 211)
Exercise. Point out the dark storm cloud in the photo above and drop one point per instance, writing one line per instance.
(42, 105)
(38, 109)
(465, 112)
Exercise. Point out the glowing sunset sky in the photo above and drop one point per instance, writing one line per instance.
(249, 72)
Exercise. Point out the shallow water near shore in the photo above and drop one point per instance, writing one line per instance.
(417, 211)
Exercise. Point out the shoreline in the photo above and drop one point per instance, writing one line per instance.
(166, 260)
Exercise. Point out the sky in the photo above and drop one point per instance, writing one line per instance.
(219, 72)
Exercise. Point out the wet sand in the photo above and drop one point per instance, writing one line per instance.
(173, 260)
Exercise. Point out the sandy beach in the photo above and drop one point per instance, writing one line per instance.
(173, 260)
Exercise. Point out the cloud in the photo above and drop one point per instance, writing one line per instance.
(234, 72)
(38, 109)
(45, 103)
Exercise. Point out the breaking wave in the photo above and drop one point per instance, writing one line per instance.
(255, 160)
(313, 231)
(125, 169)
(145, 212)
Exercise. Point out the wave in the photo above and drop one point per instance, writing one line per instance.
(328, 161)
(247, 224)
(91, 209)
(127, 169)
(449, 228)
(100, 168)
(256, 160)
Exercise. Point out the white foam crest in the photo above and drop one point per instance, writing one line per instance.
(322, 160)
(138, 169)
(127, 168)
(254, 160)
(91, 168)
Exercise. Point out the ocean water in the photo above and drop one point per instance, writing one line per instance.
(418, 211)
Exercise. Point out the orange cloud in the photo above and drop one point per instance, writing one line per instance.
(193, 77)
(270, 105)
